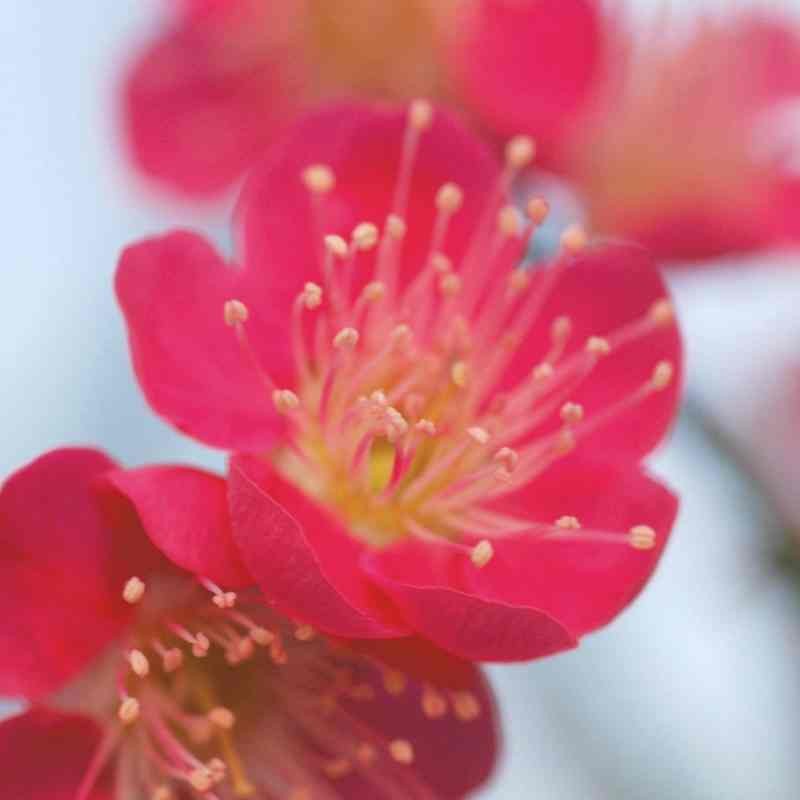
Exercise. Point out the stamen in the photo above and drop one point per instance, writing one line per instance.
(598, 346)
(162, 793)
(520, 151)
(128, 711)
(574, 240)
(365, 236)
(537, 210)
(572, 413)
(139, 663)
(401, 751)
(482, 553)
(304, 633)
(346, 339)
(662, 375)
(221, 599)
(459, 373)
(420, 114)
(285, 401)
(222, 717)
(642, 537)
(319, 178)
(134, 591)
(311, 296)
(394, 682)
(201, 779)
(662, 312)
(434, 704)
(568, 523)
(466, 706)
(235, 312)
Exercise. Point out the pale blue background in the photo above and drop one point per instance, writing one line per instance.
(693, 694)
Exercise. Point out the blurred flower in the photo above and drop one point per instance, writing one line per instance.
(205, 98)
(431, 437)
(692, 150)
(150, 682)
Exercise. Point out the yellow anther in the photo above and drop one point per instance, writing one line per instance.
(478, 435)
(441, 263)
(225, 599)
(434, 704)
(574, 239)
(285, 401)
(319, 178)
(420, 114)
(396, 226)
(482, 553)
(312, 295)
(139, 663)
(134, 590)
(346, 339)
(235, 312)
(642, 537)
(568, 523)
(662, 375)
(459, 374)
(466, 706)
(201, 779)
(222, 717)
(520, 151)
(402, 751)
(542, 371)
(508, 457)
(425, 426)
(598, 346)
(128, 711)
(365, 236)
(336, 246)
(537, 210)
(449, 198)
(304, 633)
(572, 413)
(375, 290)
(450, 284)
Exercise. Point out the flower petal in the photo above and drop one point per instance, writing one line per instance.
(603, 290)
(529, 67)
(64, 563)
(430, 583)
(44, 755)
(190, 365)
(185, 513)
(304, 560)
(584, 584)
(204, 100)
(362, 145)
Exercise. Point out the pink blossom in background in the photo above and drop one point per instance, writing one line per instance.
(427, 437)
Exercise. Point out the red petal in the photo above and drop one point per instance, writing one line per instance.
(304, 560)
(582, 584)
(204, 100)
(451, 756)
(44, 755)
(603, 290)
(362, 145)
(189, 363)
(430, 583)
(185, 513)
(63, 566)
(529, 67)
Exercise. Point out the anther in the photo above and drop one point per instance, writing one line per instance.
(642, 537)
(319, 178)
(200, 646)
(218, 769)
(262, 636)
(394, 682)
(235, 312)
(508, 457)
(598, 346)
(574, 239)
(285, 400)
(162, 793)
(478, 434)
(449, 198)
(662, 375)
(508, 221)
(561, 328)
(311, 295)
(519, 280)
(336, 246)
(450, 284)
(133, 591)
(128, 711)
(434, 704)
(172, 660)
(201, 779)
(401, 334)
(520, 151)
(346, 339)
(420, 114)
(222, 717)
(459, 374)
(466, 706)
(375, 290)
(572, 413)
(568, 523)
(662, 312)
(425, 426)
(542, 371)
(401, 751)
(537, 210)
(441, 263)
(304, 633)
(395, 226)
(365, 236)
(139, 663)
(482, 553)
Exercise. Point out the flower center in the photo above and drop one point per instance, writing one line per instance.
(222, 698)
(403, 418)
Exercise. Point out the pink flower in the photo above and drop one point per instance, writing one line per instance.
(428, 437)
(149, 682)
(692, 152)
(204, 99)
